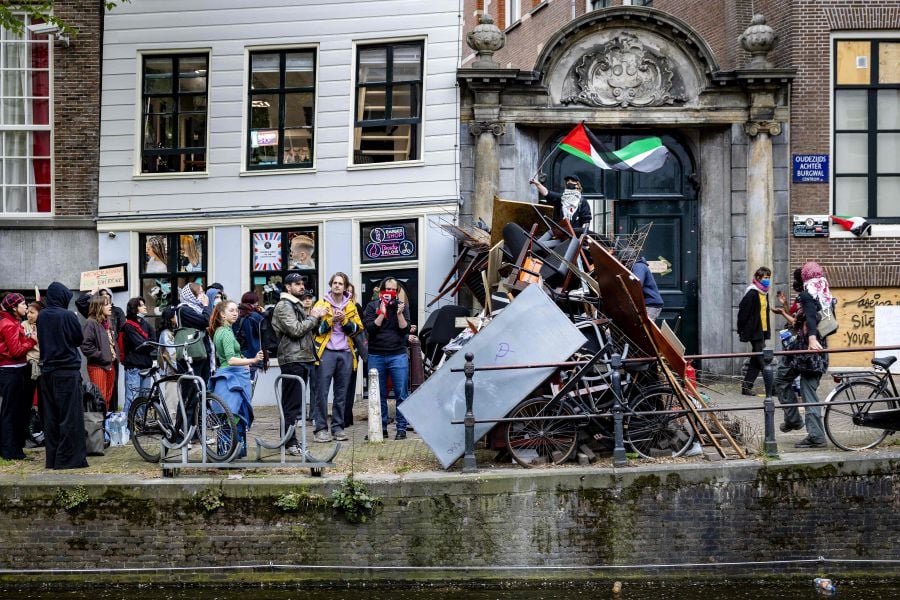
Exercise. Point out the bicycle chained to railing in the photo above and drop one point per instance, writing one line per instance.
(159, 423)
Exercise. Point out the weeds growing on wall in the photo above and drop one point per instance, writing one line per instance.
(353, 501)
(71, 498)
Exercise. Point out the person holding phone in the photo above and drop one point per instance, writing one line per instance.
(386, 319)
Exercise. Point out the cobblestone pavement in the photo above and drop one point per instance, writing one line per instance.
(412, 454)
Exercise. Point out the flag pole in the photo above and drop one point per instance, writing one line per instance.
(546, 158)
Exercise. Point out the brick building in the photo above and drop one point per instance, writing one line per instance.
(829, 89)
(50, 126)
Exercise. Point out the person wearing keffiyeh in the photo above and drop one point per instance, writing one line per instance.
(816, 285)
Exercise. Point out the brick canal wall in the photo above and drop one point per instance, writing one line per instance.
(709, 514)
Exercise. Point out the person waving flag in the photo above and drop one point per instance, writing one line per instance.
(644, 155)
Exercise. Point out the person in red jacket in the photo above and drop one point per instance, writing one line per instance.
(14, 345)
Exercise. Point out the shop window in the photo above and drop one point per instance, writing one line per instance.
(25, 122)
(281, 109)
(389, 241)
(276, 252)
(168, 262)
(867, 129)
(388, 103)
(174, 113)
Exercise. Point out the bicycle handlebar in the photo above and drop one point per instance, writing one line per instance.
(197, 337)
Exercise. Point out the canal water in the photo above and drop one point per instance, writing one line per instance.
(739, 590)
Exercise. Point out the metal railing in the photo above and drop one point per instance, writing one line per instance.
(616, 364)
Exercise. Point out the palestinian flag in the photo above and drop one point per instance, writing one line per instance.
(644, 155)
(858, 226)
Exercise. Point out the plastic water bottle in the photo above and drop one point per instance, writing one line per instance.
(111, 429)
(124, 434)
(824, 586)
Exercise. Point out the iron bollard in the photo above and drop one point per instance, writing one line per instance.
(619, 458)
(770, 446)
(374, 407)
(469, 465)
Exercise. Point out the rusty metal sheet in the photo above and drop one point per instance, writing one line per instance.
(532, 329)
(623, 303)
(516, 211)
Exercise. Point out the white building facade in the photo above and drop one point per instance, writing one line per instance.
(243, 139)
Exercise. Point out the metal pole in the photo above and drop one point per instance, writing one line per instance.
(770, 446)
(615, 377)
(374, 407)
(469, 465)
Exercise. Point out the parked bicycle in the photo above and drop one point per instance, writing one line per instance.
(550, 429)
(872, 391)
(153, 417)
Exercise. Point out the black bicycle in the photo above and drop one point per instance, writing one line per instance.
(871, 391)
(153, 417)
(548, 428)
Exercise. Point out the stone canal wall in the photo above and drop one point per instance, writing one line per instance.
(493, 523)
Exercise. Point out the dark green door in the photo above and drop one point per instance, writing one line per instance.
(668, 199)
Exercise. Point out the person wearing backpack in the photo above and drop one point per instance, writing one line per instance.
(248, 328)
(296, 350)
(192, 316)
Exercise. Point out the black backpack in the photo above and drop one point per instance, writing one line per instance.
(268, 337)
(238, 329)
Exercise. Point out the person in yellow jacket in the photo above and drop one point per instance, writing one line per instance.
(337, 358)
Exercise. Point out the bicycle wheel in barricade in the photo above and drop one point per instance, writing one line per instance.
(658, 435)
(535, 441)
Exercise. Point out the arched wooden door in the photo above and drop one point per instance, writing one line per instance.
(622, 201)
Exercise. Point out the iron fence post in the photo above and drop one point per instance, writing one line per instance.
(770, 445)
(619, 458)
(469, 465)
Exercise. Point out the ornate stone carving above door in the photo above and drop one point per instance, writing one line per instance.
(621, 72)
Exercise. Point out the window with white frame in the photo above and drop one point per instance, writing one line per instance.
(388, 102)
(513, 11)
(173, 113)
(25, 121)
(867, 128)
(281, 109)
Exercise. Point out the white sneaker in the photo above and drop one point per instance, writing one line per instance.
(293, 450)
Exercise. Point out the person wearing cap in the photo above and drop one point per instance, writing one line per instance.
(569, 204)
(302, 248)
(296, 329)
(14, 405)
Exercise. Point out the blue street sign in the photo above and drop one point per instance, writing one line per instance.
(810, 168)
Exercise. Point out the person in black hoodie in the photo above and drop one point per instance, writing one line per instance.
(60, 335)
(135, 356)
(386, 320)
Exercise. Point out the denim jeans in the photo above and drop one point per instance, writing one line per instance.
(133, 384)
(397, 366)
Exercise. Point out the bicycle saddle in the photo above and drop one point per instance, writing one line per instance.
(884, 362)
(148, 372)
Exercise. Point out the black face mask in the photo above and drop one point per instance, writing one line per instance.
(571, 185)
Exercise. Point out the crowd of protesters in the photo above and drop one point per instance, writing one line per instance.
(44, 346)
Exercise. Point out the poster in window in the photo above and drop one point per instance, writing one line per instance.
(384, 242)
(190, 253)
(303, 248)
(156, 254)
(267, 251)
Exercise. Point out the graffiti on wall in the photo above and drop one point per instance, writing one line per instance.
(856, 322)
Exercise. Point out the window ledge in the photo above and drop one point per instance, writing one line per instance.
(255, 173)
(190, 175)
(878, 231)
(513, 26)
(388, 165)
(543, 4)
